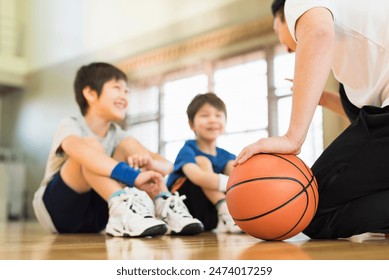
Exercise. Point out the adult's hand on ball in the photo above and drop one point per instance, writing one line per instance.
(276, 145)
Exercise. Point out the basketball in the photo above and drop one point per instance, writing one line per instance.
(272, 196)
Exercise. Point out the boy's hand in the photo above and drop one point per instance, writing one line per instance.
(149, 181)
(141, 161)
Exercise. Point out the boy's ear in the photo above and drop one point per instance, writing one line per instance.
(191, 125)
(89, 94)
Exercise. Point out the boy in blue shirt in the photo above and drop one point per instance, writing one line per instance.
(201, 168)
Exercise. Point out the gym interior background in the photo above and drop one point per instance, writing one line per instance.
(170, 50)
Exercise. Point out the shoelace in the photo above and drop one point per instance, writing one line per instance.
(226, 218)
(136, 205)
(176, 205)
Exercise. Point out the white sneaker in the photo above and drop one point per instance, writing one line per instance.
(226, 223)
(174, 213)
(130, 217)
(144, 197)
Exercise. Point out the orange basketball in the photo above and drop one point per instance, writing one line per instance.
(272, 196)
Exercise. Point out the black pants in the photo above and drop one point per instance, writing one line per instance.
(198, 205)
(353, 177)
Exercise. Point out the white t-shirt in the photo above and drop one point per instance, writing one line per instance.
(77, 126)
(70, 126)
(361, 59)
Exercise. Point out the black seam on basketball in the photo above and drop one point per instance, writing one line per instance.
(262, 179)
(305, 210)
(306, 167)
(304, 188)
(292, 163)
(310, 172)
(275, 178)
(312, 178)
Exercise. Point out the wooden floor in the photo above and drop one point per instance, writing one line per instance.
(24, 241)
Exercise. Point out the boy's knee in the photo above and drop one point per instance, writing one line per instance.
(124, 142)
(204, 163)
(121, 153)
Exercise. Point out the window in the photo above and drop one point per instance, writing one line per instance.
(241, 83)
(177, 94)
(143, 116)
(254, 89)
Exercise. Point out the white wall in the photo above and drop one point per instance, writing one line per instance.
(60, 30)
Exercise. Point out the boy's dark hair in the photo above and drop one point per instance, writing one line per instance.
(207, 98)
(277, 7)
(94, 75)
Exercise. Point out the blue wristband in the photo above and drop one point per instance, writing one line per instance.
(125, 174)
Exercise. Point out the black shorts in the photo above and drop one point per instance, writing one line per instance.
(198, 205)
(353, 178)
(72, 212)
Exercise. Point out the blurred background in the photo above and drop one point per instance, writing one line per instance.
(171, 50)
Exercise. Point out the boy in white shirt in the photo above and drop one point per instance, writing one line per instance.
(97, 176)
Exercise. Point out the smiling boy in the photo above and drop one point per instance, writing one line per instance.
(92, 161)
(201, 168)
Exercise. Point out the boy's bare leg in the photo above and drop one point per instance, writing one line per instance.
(213, 195)
(127, 214)
(226, 223)
(81, 180)
(168, 208)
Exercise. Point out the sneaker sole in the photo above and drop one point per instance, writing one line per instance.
(190, 229)
(226, 230)
(152, 231)
(155, 230)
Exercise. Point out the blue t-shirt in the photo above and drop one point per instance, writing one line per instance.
(188, 154)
